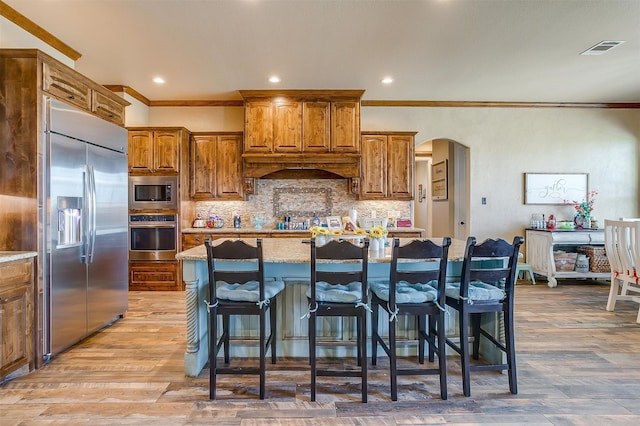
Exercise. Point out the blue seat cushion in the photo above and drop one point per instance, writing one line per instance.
(337, 293)
(406, 292)
(478, 291)
(249, 291)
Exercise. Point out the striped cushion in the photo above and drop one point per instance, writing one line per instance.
(249, 291)
(478, 291)
(337, 293)
(406, 292)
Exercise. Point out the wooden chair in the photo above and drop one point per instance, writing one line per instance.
(416, 288)
(622, 246)
(239, 288)
(487, 290)
(339, 288)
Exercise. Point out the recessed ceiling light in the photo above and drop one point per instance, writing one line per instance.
(387, 80)
(274, 79)
(159, 80)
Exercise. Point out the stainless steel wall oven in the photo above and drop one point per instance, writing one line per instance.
(153, 236)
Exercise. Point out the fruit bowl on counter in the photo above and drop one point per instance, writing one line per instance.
(566, 225)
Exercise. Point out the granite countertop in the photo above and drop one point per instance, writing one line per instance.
(9, 256)
(272, 231)
(293, 250)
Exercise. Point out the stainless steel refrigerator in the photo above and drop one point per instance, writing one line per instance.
(84, 219)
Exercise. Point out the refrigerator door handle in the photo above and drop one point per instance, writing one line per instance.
(92, 213)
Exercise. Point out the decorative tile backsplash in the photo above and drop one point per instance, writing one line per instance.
(299, 199)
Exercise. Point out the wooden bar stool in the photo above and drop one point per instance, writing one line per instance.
(483, 291)
(416, 288)
(339, 288)
(239, 289)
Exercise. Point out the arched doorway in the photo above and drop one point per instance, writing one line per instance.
(445, 212)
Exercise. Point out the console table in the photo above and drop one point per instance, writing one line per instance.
(541, 243)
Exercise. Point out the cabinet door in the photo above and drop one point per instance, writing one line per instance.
(166, 151)
(345, 126)
(203, 173)
(190, 241)
(400, 167)
(140, 150)
(287, 130)
(16, 332)
(316, 127)
(229, 167)
(258, 124)
(64, 85)
(108, 109)
(161, 276)
(374, 167)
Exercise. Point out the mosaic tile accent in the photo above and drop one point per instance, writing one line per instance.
(302, 202)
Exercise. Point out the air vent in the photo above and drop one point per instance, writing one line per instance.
(602, 47)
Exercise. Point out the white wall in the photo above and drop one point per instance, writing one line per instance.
(507, 142)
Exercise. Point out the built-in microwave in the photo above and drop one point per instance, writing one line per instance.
(153, 192)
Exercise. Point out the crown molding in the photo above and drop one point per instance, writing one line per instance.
(496, 104)
(37, 31)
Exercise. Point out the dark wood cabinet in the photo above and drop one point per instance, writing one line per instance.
(163, 276)
(16, 316)
(156, 150)
(216, 166)
(387, 165)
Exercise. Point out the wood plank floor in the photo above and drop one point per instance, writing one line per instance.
(577, 365)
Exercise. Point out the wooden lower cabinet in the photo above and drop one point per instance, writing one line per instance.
(16, 316)
(155, 276)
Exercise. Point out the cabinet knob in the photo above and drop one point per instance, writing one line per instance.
(198, 239)
(71, 97)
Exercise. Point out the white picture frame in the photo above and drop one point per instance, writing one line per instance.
(334, 222)
(555, 188)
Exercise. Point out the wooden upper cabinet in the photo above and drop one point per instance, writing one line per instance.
(387, 165)
(258, 124)
(400, 164)
(229, 167)
(140, 150)
(316, 126)
(216, 166)
(107, 108)
(374, 167)
(155, 151)
(345, 126)
(203, 160)
(287, 126)
(302, 121)
(67, 86)
(166, 151)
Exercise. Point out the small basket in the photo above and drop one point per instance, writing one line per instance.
(565, 262)
(598, 261)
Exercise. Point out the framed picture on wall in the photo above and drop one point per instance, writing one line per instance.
(555, 188)
(439, 181)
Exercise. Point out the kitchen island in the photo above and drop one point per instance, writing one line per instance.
(286, 259)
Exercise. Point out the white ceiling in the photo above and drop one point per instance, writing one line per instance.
(444, 50)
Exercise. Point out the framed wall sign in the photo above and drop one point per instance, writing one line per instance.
(439, 181)
(555, 188)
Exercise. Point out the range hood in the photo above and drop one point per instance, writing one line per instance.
(301, 166)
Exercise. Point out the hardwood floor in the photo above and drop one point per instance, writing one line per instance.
(577, 364)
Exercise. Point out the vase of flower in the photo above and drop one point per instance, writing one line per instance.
(374, 245)
(583, 210)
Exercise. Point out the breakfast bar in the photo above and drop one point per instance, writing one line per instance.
(286, 259)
